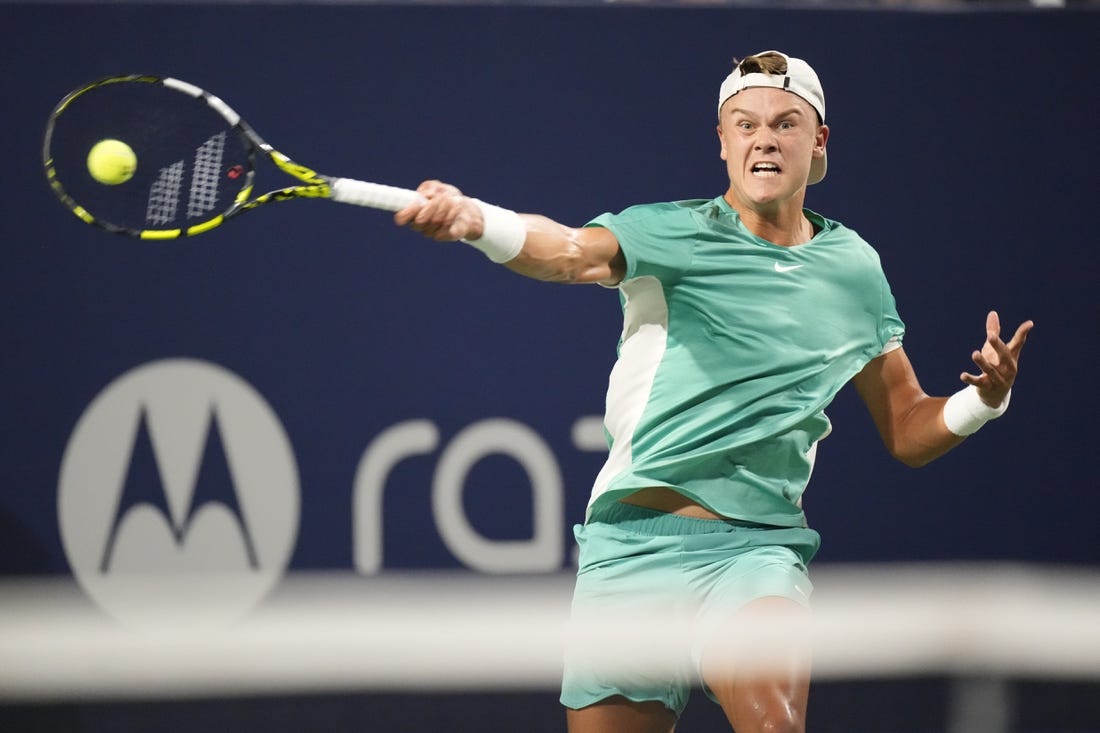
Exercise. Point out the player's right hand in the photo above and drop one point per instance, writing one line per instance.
(444, 214)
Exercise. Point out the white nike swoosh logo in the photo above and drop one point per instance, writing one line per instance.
(785, 268)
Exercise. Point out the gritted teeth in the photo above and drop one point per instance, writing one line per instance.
(765, 168)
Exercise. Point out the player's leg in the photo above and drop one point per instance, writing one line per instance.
(773, 699)
(621, 715)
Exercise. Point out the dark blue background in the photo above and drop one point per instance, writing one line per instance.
(963, 147)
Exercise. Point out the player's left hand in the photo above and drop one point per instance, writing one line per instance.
(997, 360)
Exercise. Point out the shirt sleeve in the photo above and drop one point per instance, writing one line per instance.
(656, 239)
(891, 327)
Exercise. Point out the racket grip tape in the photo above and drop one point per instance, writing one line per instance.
(373, 195)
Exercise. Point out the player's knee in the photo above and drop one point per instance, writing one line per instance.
(785, 720)
(768, 719)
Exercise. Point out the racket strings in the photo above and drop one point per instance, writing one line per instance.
(206, 176)
(164, 195)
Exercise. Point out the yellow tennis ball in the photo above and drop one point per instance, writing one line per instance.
(111, 162)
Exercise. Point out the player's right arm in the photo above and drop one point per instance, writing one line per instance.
(551, 251)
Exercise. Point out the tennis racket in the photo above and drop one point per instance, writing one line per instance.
(196, 160)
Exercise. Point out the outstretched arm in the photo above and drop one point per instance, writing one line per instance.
(917, 428)
(543, 249)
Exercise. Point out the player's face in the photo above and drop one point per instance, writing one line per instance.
(769, 138)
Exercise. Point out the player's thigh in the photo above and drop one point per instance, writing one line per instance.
(621, 715)
(761, 680)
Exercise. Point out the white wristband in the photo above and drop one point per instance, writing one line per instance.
(964, 412)
(502, 235)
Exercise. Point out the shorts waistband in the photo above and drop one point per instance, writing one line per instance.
(644, 520)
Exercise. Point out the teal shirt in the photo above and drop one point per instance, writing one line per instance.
(732, 347)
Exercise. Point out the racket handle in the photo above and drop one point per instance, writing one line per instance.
(374, 195)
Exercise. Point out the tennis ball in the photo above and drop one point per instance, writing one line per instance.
(111, 162)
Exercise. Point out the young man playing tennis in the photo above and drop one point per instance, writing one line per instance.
(743, 317)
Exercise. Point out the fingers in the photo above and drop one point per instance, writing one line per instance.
(993, 335)
(444, 214)
(996, 374)
(1020, 337)
(997, 360)
(974, 381)
(992, 324)
(997, 351)
(428, 191)
(407, 214)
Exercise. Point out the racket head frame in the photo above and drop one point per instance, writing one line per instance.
(313, 185)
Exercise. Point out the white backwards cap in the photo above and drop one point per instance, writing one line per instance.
(800, 79)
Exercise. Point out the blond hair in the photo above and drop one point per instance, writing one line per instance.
(763, 63)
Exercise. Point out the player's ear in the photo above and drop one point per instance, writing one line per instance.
(721, 141)
(822, 138)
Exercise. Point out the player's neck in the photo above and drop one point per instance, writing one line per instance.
(782, 223)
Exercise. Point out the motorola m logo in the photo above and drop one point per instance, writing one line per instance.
(213, 486)
(178, 495)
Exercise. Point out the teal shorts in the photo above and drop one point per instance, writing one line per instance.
(637, 563)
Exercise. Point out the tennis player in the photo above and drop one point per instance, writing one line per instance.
(744, 315)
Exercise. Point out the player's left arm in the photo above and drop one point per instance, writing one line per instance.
(912, 424)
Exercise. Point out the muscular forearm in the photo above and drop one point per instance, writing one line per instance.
(911, 423)
(920, 435)
(556, 253)
(529, 244)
